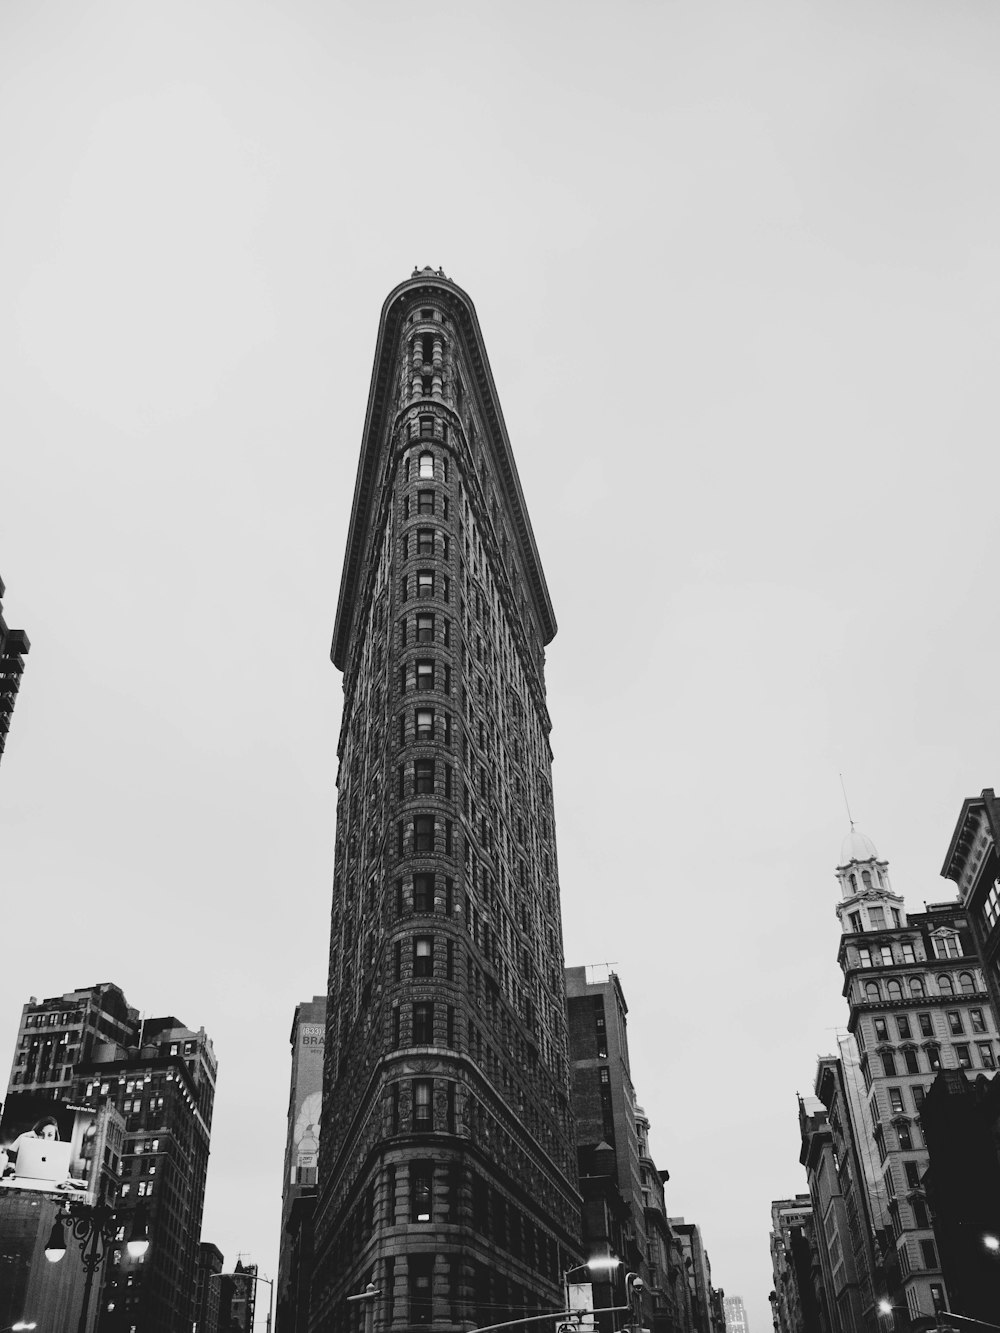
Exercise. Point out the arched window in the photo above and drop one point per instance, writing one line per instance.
(872, 991)
(946, 986)
(967, 984)
(917, 987)
(894, 990)
(427, 466)
(854, 881)
(866, 879)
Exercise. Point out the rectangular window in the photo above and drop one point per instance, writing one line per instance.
(912, 1170)
(947, 946)
(908, 956)
(955, 1025)
(865, 957)
(876, 915)
(934, 1058)
(985, 1050)
(423, 956)
(425, 675)
(421, 1269)
(964, 1056)
(423, 1023)
(425, 502)
(903, 1026)
(422, 1103)
(423, 887)
(928, 1254)
(421, 1189)
(425, 541)
(855, 920)
(888, 1063)
(926, 1026)
(881, 1030)
(918, 1094)
(911, 1061)
(425, 583)
(885, 955)
(977, 1020)
(424, 724)
(896, 1100)
(920, 1216)
(905, 1138)
(423, 778)
(425, 629)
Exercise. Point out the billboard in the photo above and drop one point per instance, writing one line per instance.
(307, 1084)
(49, 1146)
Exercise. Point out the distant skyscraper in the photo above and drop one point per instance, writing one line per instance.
(90, 1047)
(14, 647)
(447, 1169)
(298, 1193)
(735, 1315)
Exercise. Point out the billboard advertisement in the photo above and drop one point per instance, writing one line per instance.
(307, 1084)
(48, 1146)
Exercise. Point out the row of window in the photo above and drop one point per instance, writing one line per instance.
(908, 1060)
(893, 991)
(945, 946)
(956, 1024)
(876, 915)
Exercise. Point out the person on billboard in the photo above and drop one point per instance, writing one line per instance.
(46, 1128)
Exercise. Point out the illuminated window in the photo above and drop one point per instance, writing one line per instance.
(427, 460)
(425, 583)
(424, 724)
(964, 1056)
(423, 956)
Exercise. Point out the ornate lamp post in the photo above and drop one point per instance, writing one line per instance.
(95, 1226)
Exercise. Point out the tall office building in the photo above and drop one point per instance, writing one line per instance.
(14, 647)
(298, 1191)
(155, 1079)
(624, 1209)
(794, 1300)
(447, 1169)
(918, 1004)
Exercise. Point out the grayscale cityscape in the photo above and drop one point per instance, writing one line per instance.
(328, 1011)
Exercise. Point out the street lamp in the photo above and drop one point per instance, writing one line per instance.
(95, 1226)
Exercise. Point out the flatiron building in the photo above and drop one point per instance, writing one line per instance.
(447, 1176)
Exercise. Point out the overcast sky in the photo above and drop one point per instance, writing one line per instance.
(737, 268)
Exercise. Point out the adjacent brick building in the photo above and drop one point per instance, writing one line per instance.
(447, 1165)
(89, 1046)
